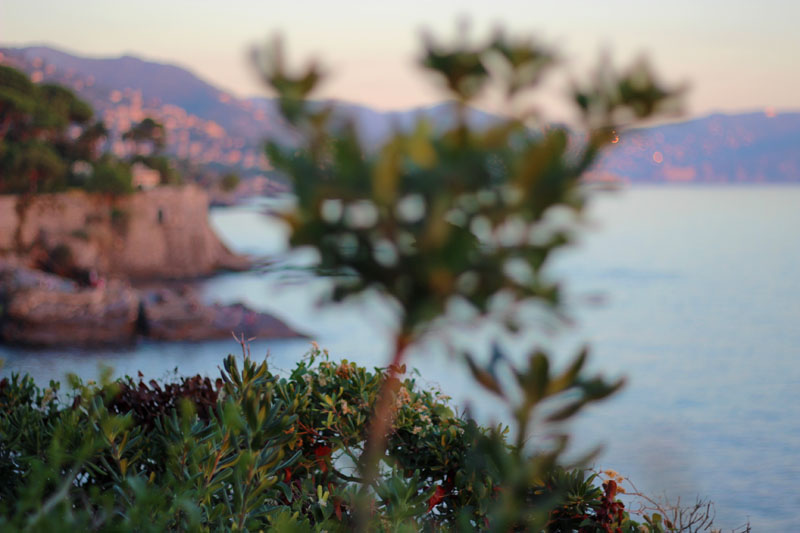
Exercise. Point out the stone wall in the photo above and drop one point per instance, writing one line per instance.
(160, 233)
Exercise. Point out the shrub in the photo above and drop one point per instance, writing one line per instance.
(166, 168)
(119, 218)
(110, 176)
(255, 450)
(229, 182)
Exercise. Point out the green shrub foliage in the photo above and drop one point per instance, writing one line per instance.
(36, 150)
(47, 136)
(110, 176)
(255, 450)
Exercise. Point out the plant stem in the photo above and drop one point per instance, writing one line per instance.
(382, 419)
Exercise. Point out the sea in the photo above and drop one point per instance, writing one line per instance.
(689, 293)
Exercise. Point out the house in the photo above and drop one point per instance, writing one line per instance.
(144, 177)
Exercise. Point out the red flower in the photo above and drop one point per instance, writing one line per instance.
(337, 508)
(322, 451)
(437, 497)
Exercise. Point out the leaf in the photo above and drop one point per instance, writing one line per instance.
(483, 377)
(566, 412)
(567, 378)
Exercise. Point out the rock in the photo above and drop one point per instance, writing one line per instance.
(45, 317)
(166, 234)
(241, 320)
(40, 309)
(15, 277)
(161, 233)
(179, 315)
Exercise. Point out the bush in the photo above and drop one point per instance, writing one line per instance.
(31, 167)
(254, 450)
(110, 176)
(165, 167)
(119, 218)
(229, 182)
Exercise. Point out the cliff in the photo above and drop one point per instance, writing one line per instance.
(156, 234)
(55, 250)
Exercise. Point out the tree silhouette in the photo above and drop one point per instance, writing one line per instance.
(36, 151)
(148, 134)
(38, 145)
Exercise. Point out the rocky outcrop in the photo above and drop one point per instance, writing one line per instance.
(39, 309)
(41, 317)
(162, 233)
(45, 310)
(180, 315)
(96, 245)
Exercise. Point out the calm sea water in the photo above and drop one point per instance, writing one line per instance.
(692, 294)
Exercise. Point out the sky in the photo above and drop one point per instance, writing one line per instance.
(735, 55)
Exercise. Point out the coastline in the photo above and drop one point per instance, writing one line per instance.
(80, 269)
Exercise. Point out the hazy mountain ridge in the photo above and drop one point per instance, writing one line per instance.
(213, 127)
(375, 126)
(159, 83)
(747, 147)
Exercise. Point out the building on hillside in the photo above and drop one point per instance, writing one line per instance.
(144, 177)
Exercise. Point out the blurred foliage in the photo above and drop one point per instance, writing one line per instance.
(229, 182)
(49, 142)
(149, 135)
(31, 165)
(36, 148)
(461, 214)
(168, 174)
(111, 176)
(463, 217)
(254, 450)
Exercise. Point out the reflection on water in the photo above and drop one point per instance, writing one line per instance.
(692, 293)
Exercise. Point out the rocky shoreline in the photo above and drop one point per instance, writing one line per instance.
(44, 310)
(69, 264)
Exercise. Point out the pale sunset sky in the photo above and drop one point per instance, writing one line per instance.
(735, 55)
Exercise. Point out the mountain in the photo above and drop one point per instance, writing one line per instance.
(750, 147)
(217, 129)
(374, 127)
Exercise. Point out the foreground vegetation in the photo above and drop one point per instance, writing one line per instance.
(254, 450)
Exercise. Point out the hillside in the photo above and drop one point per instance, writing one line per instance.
(216, 129)
(752, 147)
(374, 126)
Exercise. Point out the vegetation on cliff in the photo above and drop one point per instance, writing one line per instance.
(49, 142)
